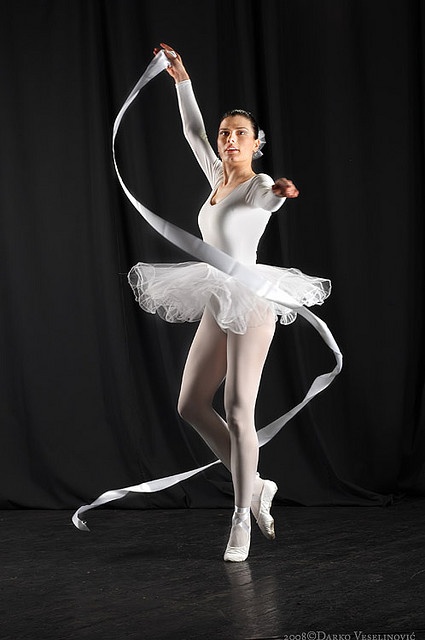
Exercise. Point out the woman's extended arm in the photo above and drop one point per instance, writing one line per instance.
(266, 194)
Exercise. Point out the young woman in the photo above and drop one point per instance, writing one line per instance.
(236, 326)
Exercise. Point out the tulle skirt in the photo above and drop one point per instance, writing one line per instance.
(180, 292)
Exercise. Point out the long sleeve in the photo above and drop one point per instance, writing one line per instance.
(195, 134)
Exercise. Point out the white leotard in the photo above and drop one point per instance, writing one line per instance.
(236, 223)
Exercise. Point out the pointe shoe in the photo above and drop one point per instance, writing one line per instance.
(264, 519)
(239, 554)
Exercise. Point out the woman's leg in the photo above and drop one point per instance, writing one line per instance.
(204, 372)
(246, 355)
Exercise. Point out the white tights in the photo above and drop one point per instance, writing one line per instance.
(215, 356)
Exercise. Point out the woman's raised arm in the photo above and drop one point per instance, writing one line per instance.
(193, 123)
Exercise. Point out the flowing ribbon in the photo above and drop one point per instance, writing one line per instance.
(222, 261)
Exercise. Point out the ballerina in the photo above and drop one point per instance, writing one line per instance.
(236, 326)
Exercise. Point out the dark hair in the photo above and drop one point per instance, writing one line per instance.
(245, 114)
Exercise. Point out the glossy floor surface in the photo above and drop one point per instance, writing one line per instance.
(148, 575)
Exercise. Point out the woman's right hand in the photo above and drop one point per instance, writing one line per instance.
(176, 68)
(285, 188)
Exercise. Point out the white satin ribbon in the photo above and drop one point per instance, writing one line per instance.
(222, 261)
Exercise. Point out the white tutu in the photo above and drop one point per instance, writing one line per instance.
(180, 292)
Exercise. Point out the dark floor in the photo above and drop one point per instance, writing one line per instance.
(159, 574)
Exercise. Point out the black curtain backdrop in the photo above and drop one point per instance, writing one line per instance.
(88, 382)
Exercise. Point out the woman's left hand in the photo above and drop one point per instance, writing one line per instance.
(285, 188)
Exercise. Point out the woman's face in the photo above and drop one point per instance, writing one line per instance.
(235, 141)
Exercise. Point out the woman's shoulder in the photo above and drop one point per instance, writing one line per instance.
(263, 179)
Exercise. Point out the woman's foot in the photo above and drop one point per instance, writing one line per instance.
(264, 491)
(240, 536)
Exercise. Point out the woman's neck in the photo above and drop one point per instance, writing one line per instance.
(235, 174)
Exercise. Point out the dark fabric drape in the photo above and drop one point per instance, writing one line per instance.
(88, 382)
